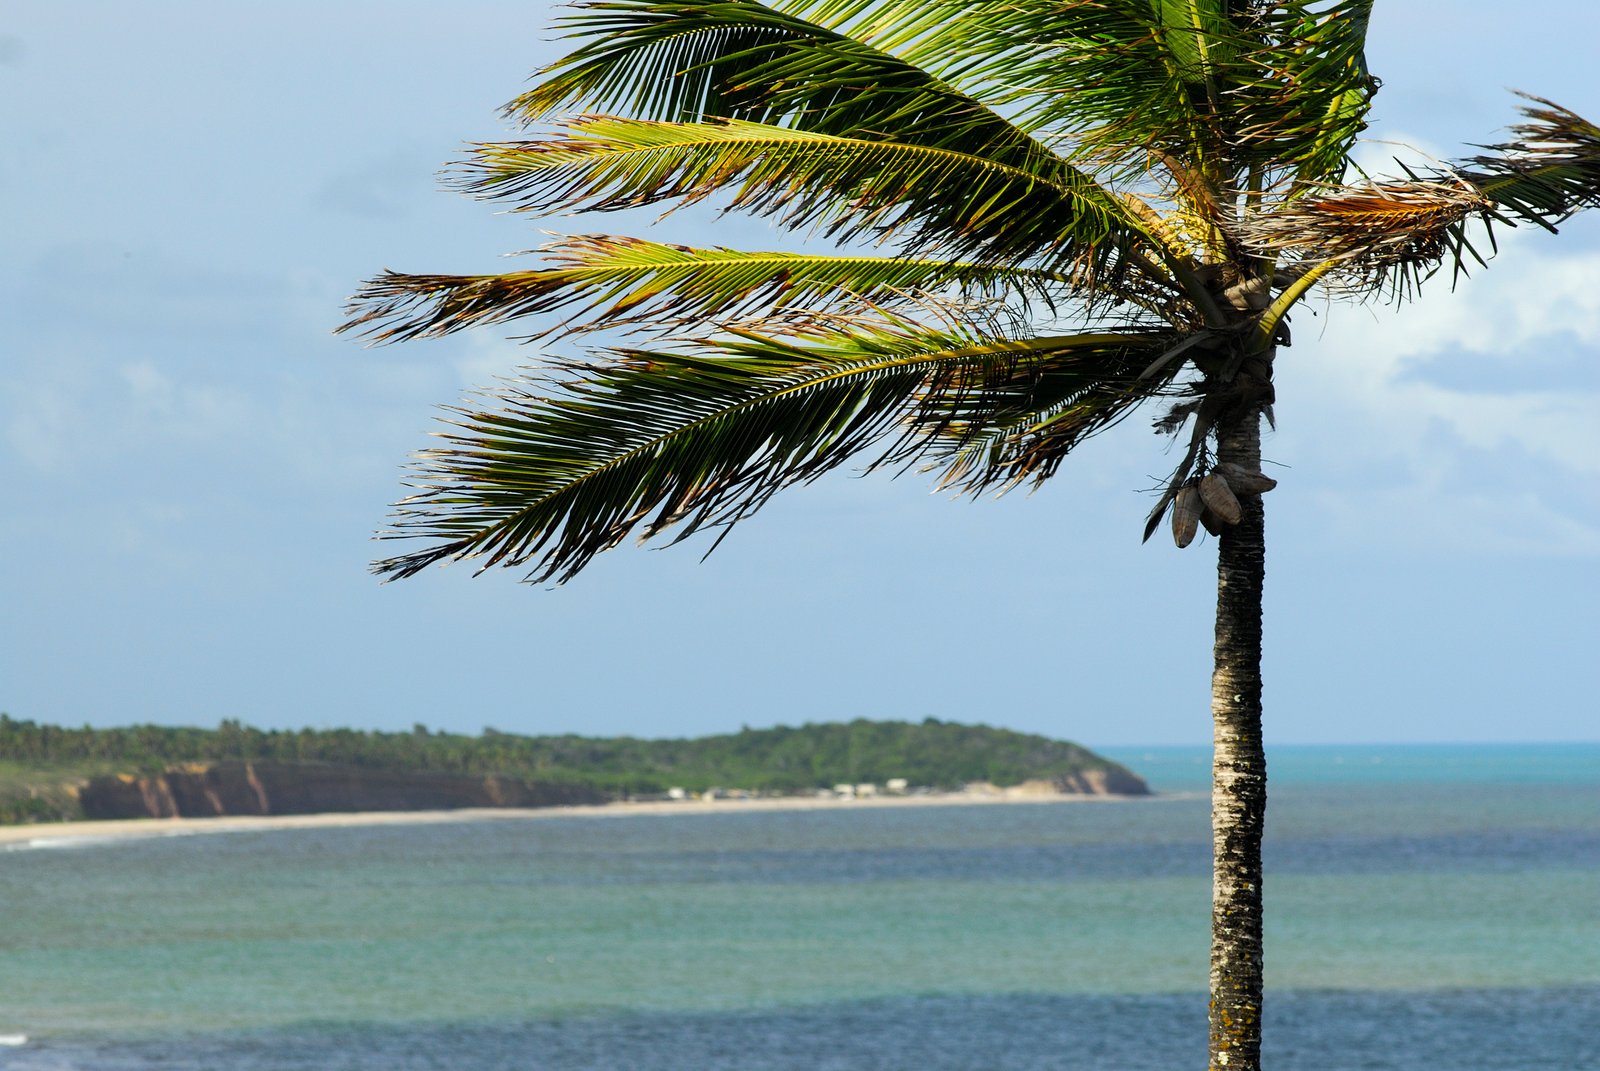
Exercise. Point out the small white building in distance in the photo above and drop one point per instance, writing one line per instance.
(896, 786)
(677, 794)
(866, 789)
(845, 792)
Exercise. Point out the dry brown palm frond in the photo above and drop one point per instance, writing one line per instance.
(1549, 169)
(1548, 134)
(1371, 230)
(1388, 235)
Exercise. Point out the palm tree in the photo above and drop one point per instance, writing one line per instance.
(1047, 212)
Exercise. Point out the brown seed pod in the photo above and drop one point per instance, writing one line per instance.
(1210, 522)
(1219, 497)
(1245, 481)
(1185, 515)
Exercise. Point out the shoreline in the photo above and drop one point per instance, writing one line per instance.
(45, 834)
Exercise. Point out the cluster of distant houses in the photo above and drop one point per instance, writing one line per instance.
(895, 786)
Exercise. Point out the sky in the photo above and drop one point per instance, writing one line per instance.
(194, 465)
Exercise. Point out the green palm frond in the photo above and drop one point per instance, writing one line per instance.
(1067, 71)
(1199, 37)
(611, 282)
(569, 466)
(1231, 89)
(1301, 89)
(935, 201)
(1028, 417)
(692, 60)
(670, 60)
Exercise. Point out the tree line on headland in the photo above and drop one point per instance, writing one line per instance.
(780, 760)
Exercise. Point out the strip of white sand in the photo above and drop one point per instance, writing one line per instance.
(47, 834)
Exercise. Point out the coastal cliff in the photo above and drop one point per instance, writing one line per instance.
(53, 773)
(201, 790)
(276, 788)
(1103, 781)
(263, 788)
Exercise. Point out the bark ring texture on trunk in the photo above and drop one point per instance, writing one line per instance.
(1239, 771)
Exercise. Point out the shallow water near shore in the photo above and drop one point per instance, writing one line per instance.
(1433, 908)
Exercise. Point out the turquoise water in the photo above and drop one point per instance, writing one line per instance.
(1426, 906)
(1180, 769)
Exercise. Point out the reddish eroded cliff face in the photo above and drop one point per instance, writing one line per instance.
(1104, 782)
(313, 788)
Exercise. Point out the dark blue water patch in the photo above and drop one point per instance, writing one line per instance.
(1504, 852)
(1534, 1029)
(1467, 1030)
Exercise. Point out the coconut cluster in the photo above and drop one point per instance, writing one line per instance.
(1212, 501)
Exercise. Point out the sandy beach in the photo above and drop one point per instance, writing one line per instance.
(46, 834)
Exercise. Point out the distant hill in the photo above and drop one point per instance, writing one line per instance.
(47, 772)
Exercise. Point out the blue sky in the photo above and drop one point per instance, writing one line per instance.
(193, 465)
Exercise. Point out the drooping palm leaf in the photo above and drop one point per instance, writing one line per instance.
(621, 282)
(933, 201)
(647, 440)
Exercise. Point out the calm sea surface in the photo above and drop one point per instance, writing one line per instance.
(1428, 907)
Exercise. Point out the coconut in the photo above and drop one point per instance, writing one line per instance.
(1220, 499)
(1186, 509)
(1245, 481)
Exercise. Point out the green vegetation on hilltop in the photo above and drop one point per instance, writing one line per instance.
(37, 760)
(31, 793)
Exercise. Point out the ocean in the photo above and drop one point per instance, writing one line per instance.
(1427, 907)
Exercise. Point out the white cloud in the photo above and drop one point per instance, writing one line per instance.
(1486, 467)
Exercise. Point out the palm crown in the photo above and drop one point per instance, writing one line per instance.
(1048, 212)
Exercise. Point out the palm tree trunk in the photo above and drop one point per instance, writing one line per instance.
(1238, 772)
